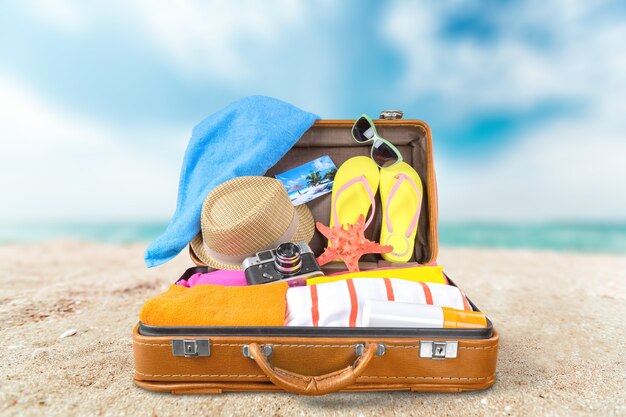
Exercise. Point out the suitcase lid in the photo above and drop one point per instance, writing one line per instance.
(334, 138)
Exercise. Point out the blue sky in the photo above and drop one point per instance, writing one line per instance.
(525, 99)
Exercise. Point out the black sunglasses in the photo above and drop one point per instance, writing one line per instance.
(383, 152)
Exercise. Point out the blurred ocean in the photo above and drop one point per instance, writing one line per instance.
(581, 237)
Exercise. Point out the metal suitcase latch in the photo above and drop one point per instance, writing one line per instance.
(438, 349)
(267, 351)
(191, 348)
(391, 114)
(359, 348)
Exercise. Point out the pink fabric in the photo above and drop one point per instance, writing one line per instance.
(219, 277)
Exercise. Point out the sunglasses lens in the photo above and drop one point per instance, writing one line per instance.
(383, 154)
(362, 130)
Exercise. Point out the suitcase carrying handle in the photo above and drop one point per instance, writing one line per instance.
(313, 385)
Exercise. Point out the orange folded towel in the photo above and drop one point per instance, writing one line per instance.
(216, 305)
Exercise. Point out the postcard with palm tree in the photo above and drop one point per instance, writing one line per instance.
(309, 181)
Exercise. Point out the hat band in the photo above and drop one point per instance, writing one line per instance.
(238, 259)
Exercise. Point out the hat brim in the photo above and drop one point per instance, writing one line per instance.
(303, 233)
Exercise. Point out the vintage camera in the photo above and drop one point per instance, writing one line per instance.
(292, 262)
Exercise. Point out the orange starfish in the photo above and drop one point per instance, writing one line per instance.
(348, 244)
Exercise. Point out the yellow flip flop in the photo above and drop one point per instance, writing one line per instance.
(354, 188)
(401, 194)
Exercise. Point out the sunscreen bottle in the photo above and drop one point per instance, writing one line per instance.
(393, 314)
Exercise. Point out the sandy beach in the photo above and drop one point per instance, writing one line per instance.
(560, 316)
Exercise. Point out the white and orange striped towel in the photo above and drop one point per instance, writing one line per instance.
(339, 304)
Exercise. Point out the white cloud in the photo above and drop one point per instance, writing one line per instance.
(252, 47)
(65, 15)
(200, 36)
(201, 39)
(322, 164)
(509, 71)
(561, 169)
(60, 166)
(246, 47)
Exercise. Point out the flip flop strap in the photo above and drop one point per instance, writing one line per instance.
(403, 177)
(369, 193)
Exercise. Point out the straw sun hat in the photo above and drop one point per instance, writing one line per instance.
(247, 215)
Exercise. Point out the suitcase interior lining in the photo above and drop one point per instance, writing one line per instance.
(337, 142)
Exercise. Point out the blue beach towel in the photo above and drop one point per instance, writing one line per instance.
(246, 138)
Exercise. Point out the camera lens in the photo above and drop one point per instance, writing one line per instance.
(288, 260)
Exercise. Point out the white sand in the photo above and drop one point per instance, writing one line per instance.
(561, 318)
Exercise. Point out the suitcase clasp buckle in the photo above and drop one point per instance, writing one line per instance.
(442, 349)
(191, 348)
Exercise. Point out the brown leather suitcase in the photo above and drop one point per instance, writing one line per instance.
(321, 360)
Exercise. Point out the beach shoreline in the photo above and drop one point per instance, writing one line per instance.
(560, 317)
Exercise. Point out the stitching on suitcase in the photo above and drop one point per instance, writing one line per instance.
(285, 345)
(289, 376)
(241, 344)
(202, 375)
(365, 377)
(460, 347)
(478, 347)
(296, 345)
(315, 346)
(153, 344)
(429, 377)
